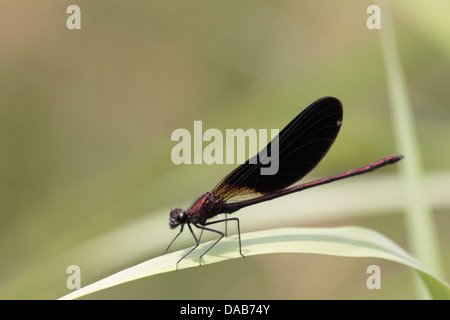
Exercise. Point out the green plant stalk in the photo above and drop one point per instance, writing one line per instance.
(421, 228)
(343, 241)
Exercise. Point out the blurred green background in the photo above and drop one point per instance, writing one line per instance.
(86, 117)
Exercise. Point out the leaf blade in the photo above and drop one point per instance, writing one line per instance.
(342, 241)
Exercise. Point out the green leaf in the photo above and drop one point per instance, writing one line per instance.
(421, 226)
(344, 241)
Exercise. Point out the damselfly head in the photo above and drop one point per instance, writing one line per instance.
(177, 217)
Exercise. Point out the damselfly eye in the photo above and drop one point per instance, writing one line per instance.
(181, 216)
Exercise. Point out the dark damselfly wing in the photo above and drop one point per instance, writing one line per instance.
(302, 144)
